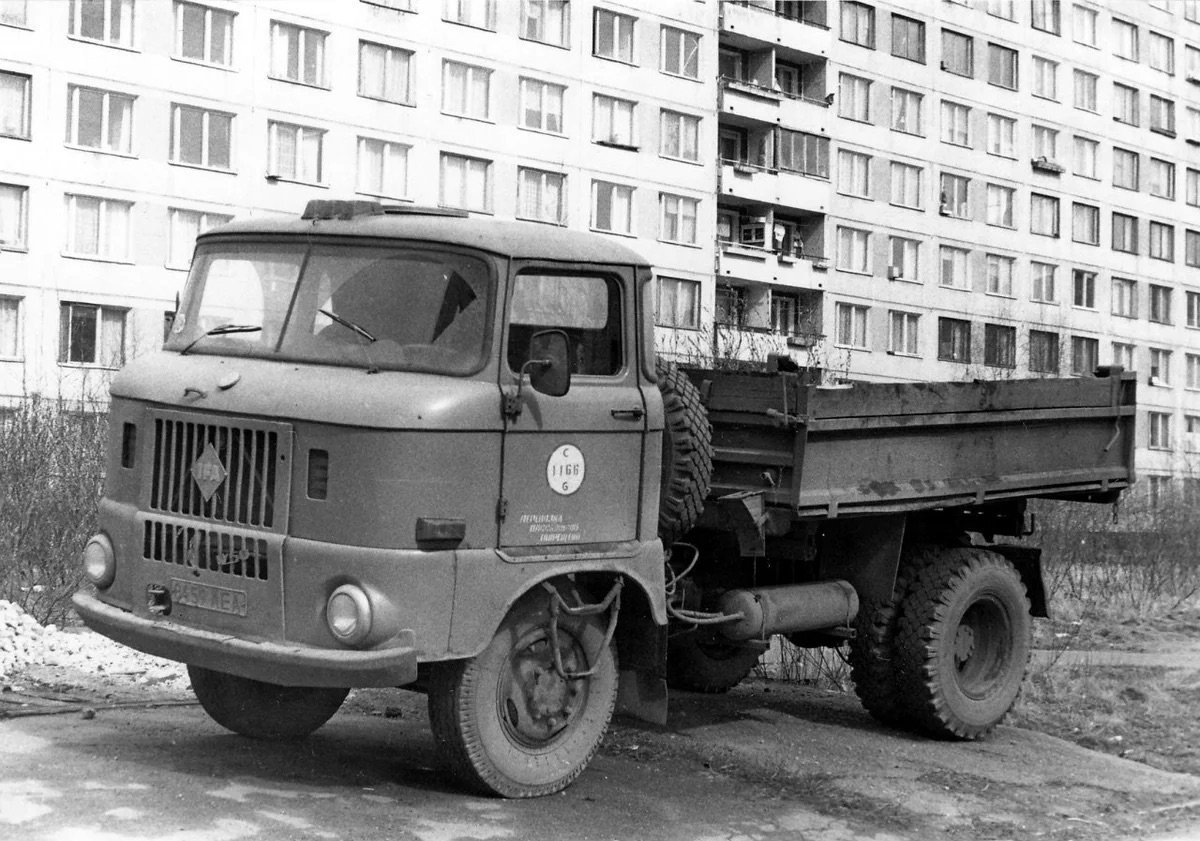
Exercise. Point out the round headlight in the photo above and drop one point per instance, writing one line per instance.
(348, 614)
(99, 563)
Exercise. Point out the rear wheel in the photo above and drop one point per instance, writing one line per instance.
(701, 664)
(506, 722)
(264, 710)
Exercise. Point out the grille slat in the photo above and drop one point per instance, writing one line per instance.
(235, 555)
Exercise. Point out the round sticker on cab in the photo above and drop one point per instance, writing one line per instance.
(564, 470)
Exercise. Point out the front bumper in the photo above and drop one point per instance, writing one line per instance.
(395, 664)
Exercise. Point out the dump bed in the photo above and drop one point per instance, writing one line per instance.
(874, 448)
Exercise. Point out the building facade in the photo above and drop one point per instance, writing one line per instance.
(945, 189)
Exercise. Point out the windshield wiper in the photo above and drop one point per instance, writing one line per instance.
(348, 324)
(222, 330)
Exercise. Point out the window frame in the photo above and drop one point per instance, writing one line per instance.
(206, 119)
(66, 311)
(615, 22)
(544, 178)
(25, 127)
(211, 16)
(301, 169)
(279, 66)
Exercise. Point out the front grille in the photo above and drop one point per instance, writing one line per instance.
(239, 466)
(204, 549)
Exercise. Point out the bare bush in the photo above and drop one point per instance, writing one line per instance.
(51, 475)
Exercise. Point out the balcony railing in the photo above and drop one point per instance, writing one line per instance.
(771, 10)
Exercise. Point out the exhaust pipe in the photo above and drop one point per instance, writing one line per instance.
(788, 608)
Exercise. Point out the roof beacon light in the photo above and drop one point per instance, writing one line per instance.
(340, 209)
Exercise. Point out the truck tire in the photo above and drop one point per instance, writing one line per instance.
(712, 666)
(963, 643)
(686, 454)
(506, 723)
(263, 710)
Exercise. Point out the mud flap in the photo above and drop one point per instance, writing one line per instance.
(642, 695)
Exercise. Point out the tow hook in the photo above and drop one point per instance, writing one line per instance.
(158, 600)
(557, 606)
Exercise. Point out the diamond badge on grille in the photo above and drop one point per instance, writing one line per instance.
(208, 471)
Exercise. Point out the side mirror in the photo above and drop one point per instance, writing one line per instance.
(549, 366)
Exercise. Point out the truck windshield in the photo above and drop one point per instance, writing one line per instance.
(397, 308)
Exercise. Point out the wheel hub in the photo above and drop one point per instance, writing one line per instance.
(539, 702)
(964, 643)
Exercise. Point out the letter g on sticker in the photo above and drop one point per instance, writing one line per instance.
(565, 469)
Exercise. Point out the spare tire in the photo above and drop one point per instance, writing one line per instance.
(686, 454)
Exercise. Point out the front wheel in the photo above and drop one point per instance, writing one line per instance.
(263, 710)
(963, 644)
(507, 722)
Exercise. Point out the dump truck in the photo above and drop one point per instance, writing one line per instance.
(404, 447)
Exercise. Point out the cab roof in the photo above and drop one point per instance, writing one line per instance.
(520, 240)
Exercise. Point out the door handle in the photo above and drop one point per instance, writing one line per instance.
(628, 414)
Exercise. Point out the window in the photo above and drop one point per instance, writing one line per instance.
(203, 34)
(1001, 9)
(1160, 304)
(612, 36)
(1160, 366)
(1124, 297)
(902, 332)
(1125, 104)
(1192, 441)
(542, 106)
(1125, 40)
(955, 196)
(14, 105)
(1191, 248)
(1085, 355)
(956, 120)
(109, 21)
(958, 53)
(185, 226)
(13, 12)
(385, 73)
(612, 120)
(1122, 354)
(1191, 10)
(678, 303)
(858, 24)
(546, 21)
(999, 346)
(1084, 159)
(680, 53)
(953, 272)
(13, 215)
(908, 38)
(906, 185)
(480, 14)
(1046, 16)
(678, 217)
(10, 328)
(730, 306)
(1000, 205)
(466, 90)
(851, 326)
(1085, 90)
(1083, 285)
(1000, 275)
(679, 136)
(1045, 78)
(1043, 215)
(466, 182)
(785, 314)
(1193, 372)
(854, 253)
(297, 54)
(1002, 67)
(295, 153)
(1125, 169)
(802, 152)
(200, 137)
(905, 261)
(541, 195)
(1084, 26)
(97, 227)
(854, 173)
(954, 340)
(1162, 115)
(1193, 124)
(854, 98)
(1041, 277)
(1085, 223)
(1001, 136)
(1162, 178)
(1162, 241)
(91, 335)
(1193, 309)
(1160, 430)
(906, 111)
(1192, 184)
(1045, 143)
(382, 168)
(1162, 53)
(612, 207)
(1124, 233)
(1043, 352)
(98, 119)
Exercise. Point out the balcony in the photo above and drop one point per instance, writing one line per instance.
(750, 183)
(746, 103)
(746, 262)
(751, 26)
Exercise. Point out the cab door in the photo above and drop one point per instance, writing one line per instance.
(572, 464)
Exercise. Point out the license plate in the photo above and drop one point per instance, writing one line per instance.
(207, 597)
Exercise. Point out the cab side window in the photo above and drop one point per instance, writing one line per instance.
(586, 307)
